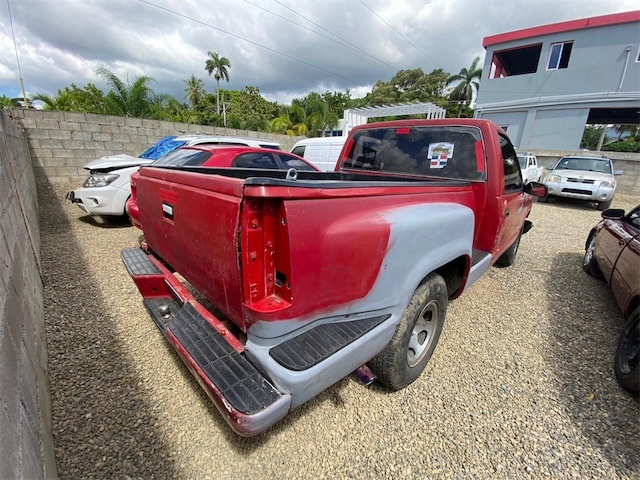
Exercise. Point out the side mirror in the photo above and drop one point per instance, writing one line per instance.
(617, 173)
(536, 189)
(613, 214)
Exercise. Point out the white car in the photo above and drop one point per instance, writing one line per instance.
(583, 178)
(108, 187)
(531, 172)
(323, 152)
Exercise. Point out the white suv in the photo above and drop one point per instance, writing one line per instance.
(583, 178)
(108, 187)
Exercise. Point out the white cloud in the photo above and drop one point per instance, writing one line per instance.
(62, 41)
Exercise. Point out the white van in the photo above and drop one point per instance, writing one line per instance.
(323, 152)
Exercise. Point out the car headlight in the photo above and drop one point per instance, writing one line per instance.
(608, 183)
(553, 178)
(100, 180)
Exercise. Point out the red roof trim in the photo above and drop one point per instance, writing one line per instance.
(601, 21)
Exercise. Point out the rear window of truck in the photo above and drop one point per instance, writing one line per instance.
(435, 151)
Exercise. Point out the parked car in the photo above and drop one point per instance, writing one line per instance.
(612, 251)
(222, 157)
(531, 172)
(107, 189)
(583, 178)
(323, 152)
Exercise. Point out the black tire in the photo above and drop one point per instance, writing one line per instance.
(409, 350)
(627, 363)
(508, 257)
(604, 205)
(589, 263)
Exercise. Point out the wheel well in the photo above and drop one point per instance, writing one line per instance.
(453, 273)
(591, 234)
(631, 306)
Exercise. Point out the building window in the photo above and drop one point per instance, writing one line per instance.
(559, 55)
(515, 61)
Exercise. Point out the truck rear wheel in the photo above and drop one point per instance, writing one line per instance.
(407, 354)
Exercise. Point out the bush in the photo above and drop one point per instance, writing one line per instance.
(622, 146)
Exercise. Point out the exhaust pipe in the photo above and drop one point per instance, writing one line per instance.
(365, 375)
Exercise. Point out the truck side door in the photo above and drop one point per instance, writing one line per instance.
(512, 197)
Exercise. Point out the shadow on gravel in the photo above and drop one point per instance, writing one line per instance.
(571, 204)
(103, 424)
(104, 222)
(584, 334)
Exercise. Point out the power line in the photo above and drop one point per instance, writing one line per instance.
(345, 44)
(349, 44)
(251, 42)
(401, 36)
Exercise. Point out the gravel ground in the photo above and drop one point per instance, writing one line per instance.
(520, 386)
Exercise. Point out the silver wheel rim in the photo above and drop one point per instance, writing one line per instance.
(588, 255)
(423, 332)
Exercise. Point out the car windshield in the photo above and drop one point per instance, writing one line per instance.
(522, 160)
(601, 165)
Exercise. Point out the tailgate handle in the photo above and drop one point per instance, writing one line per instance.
(167, 211)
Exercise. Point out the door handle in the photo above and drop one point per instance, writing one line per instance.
(620, 243)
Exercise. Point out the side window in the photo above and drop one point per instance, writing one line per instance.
(512, 175)
(299, 150)
(634, 218)
(559, 55)
(255, 160)
(289, 161)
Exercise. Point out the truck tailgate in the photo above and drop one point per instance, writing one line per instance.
(191, 222)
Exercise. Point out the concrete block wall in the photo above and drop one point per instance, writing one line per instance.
(26, 442)
(61, 143)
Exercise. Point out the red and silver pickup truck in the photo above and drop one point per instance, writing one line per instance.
(316, 274)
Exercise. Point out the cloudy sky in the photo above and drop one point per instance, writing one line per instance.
(286, 48)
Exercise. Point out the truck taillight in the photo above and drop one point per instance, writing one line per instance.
(134, 184)
(264, 254)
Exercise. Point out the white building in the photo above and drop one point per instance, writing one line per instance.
(543, 84)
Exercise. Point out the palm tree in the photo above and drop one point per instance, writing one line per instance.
(194, 91)
(219, 66)
(133, 99)
(60, 102)
(467, 83)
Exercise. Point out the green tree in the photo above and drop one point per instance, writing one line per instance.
(219, 66)
(249, 105)
(130, 99)
(591, 136)
(7, 102)
(411, 85)
(467, 81)
(194, 90)
(89, 99)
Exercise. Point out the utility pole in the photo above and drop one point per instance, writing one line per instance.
(15, 46)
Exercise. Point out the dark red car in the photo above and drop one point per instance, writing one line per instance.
(612, 251)
(217, 156)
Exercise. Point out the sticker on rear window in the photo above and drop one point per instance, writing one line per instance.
(439, 153)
